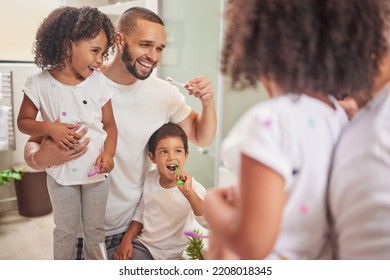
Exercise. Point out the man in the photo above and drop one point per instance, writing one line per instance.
(141, 105)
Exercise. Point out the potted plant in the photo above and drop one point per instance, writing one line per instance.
(8, 174)
(30, 187)
(195, 245)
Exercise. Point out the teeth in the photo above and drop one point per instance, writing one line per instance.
(148, 65)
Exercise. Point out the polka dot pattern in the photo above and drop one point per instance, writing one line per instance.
(311, 122)
(304, 209)
(267, 123)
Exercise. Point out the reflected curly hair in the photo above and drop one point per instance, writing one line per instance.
(66, 25)
(331, 47)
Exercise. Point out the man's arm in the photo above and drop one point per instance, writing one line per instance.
(40, 155)
(201, 127)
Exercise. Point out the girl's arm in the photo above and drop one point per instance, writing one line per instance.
(249, 225)
(26, 119)
(61, 133)
(105, 160)
(262, 196)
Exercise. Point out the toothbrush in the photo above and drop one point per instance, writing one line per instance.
(192, 234)
(179, 84)
(97, 170)
(179, 182)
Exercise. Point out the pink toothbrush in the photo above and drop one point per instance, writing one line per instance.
(97, 170)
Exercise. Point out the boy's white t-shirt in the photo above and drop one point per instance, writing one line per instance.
(359, 195)
(81, 104)
(294, 135)
(166, 214)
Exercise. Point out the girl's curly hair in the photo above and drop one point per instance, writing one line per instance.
(66, 25)
(331, 47)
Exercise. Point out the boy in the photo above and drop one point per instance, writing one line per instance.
(167, 208)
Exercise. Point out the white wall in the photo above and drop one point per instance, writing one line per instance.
(19, 20)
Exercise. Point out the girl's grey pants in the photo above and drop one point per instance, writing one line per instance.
(75, 208)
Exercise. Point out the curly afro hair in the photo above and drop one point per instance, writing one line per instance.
(330, 47)
(64, 26)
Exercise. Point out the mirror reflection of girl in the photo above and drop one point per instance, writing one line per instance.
(305, 55)
(70, 46)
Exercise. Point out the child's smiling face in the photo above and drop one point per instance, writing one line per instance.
(87, 54)
(169, 152)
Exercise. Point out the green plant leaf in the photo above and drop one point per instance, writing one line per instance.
(7, 174)
(194, 247)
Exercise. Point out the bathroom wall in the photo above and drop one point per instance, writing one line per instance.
(8, 158)
(195, 37)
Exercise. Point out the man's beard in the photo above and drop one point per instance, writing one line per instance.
(127, 58)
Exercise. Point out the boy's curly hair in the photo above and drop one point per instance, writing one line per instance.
(331, 47)
(66, 25)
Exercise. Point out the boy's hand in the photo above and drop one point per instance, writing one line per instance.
(124, 250)
(186, 188)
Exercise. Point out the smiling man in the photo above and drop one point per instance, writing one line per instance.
(141, 104)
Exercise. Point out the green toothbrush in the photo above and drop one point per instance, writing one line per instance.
(179, 182)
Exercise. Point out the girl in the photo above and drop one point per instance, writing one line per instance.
(70, 46)
(306, 53)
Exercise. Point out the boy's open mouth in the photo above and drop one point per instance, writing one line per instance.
(171, 167)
